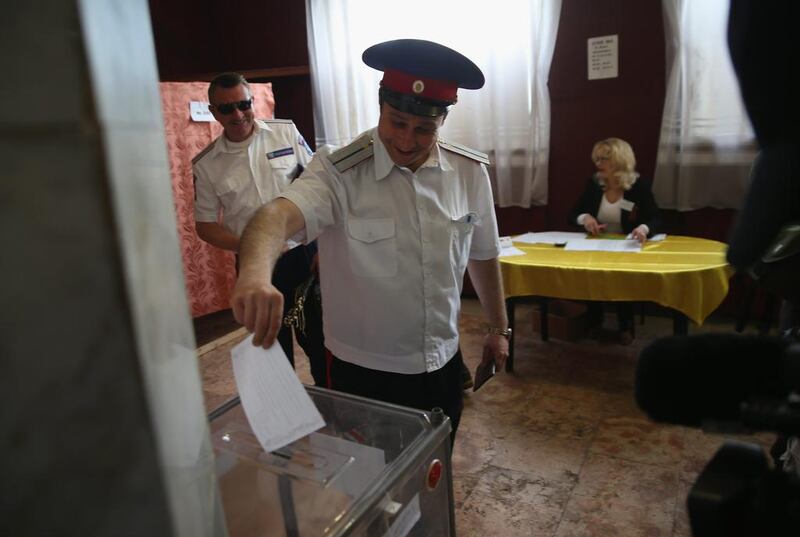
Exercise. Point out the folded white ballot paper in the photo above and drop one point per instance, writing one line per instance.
(277, 406)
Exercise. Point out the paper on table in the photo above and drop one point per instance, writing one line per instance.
(507, 248)
(655, 238)
(602, 245)
(525, 237)
(511, 250)
(549, 237)
(276, 404)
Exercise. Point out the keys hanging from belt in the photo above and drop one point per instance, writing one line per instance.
(295, 317)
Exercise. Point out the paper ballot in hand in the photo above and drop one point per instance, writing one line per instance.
(277, 406)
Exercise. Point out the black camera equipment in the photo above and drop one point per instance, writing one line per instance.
(735, 384)
(731, 382)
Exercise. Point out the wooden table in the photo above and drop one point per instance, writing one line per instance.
(687, 274)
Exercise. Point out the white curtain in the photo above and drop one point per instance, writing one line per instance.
(707, 144)
(511, 41)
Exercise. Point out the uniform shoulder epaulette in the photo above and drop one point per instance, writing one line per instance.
(285, 121)
(354, 153)
(465, 151)
(202, 153)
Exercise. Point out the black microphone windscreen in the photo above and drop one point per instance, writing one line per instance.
(688, 380)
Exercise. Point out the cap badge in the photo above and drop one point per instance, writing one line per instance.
(418, 86)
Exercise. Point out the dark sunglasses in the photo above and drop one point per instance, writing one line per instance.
(228, 108)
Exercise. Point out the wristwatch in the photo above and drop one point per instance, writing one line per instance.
(505, 332)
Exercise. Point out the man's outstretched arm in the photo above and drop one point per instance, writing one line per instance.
(256, 303)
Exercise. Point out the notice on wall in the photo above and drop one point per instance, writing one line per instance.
(199, 111)
(603, 57)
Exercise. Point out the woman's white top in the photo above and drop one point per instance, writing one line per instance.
(610, 215)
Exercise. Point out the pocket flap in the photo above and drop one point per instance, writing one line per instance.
(370, 229)
(280, 163)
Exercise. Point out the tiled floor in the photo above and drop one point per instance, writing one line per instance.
(559, 447)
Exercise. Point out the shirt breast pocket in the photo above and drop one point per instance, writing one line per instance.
(461, 230)
(372, 247)
(281, 163)
(284, 167)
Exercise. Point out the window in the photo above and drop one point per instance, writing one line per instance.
(512, 43)
(707, 144)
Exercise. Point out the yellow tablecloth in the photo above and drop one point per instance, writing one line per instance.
(684, 273)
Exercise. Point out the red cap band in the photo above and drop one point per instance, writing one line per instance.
(426, 88)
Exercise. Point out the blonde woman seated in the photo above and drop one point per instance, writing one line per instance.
(616, 200)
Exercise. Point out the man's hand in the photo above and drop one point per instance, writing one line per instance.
(495, 347)
(259, 307)
(592, 226)
(255, 302)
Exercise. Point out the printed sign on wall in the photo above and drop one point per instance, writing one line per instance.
(603, 57)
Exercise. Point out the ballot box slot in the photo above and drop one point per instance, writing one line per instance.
(301, 460)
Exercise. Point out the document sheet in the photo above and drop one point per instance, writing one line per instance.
(277, 406)
(604, 245)
(549, 237)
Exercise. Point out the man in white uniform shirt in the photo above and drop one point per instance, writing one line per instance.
(400, 215)
(250, 164)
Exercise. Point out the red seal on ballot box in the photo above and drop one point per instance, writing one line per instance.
(434, 474)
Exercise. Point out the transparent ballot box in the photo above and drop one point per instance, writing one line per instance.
(375, 469)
